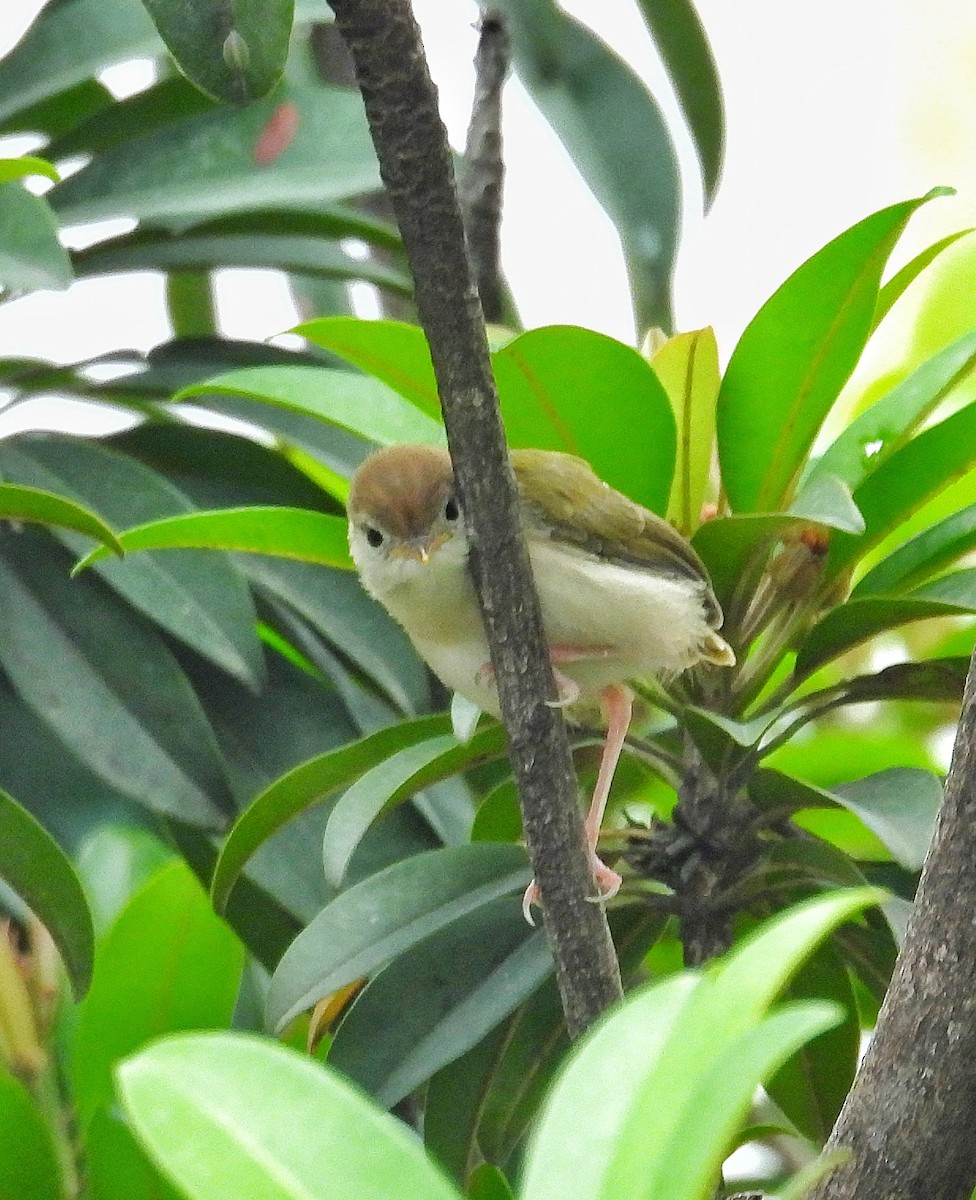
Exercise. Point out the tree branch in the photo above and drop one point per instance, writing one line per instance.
(910, 1116)
(484, 170)
(415, 161)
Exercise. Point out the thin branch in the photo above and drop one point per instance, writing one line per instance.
(909, 1118)
(484, 171)
(415, 161)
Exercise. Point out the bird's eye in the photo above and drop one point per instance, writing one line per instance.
(374, 536)
(451, 510)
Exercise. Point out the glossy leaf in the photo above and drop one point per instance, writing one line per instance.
(400, 775)
(116, 1166)
(683, 44)
(679, 1062)
(911, 477)
(26, 166)
(233, 52)
(204, 166)
(922, 556)
(114, 862)
(392, 351)
(813, 1084)
(357, 403)
(34, 504)
(849, 624)
(271, 250)
(385, 915)
(29, 1167)
(900, 806)
(201, 599)
(219, 1113)
(286, 532)
(937, 679)
(167, 964)
(37, 869)
(899, 283)
(570, 389)
(615, 134)
(883, 429)
(687, 366)
(794, 357)
(432, 1016)
(68, 44)
(334, 603)
(31, 255)
(303, 786)
(106, 684)
(827, 500)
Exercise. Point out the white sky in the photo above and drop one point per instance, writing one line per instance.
(834, 109)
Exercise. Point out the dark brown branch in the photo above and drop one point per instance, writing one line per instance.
(484, 171)
(910, 1116)
(415, 161)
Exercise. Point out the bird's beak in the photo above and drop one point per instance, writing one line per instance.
(421, 549)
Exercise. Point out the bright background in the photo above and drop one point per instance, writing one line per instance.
(834, 110)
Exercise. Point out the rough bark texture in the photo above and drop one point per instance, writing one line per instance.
(910, 1119)
(483, 174)
(415, 161)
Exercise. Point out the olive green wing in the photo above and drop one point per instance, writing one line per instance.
(567, 501)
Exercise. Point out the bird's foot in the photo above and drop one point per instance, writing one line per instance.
(607, 880)
(568, 691)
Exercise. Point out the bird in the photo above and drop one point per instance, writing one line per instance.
(622, 593)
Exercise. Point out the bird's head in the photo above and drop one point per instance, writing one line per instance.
(404, 517)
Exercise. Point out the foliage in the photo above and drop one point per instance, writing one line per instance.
(195, 690)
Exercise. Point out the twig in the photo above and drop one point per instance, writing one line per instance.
(480, 184)
(415, 162)
(910, 1116)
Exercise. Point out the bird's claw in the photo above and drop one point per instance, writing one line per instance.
(531, 896)
(607, 880)
(568, 690)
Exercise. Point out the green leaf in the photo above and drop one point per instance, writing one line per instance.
(68, 44)
(167, 964)
(905, 481)
(37, 869)
(204, 165)
(570, 389)
(302, 786)
(34, 504)
(272, 250)
(683, 44)
(26, 165)
(938, 679)
(29, 1167)
(232, 52)
(870, 439)
(397, 777)
(392, 351)
(827, 500)
(652, 1096)
(794, 357)
(386, 914)
(116, 1166)
(59, 112)
(357, 403)
(687, 366)
(899, 283)
(334, 604)
(813, 1084)
(228, 1116)
(847, 625)
(614, 132)
(106, 684)
(31, 255)
(922, 556)
(489, 1183)
(900, 806)
(201, 599)
(432, 1016)
(286, 532)
(114, 862)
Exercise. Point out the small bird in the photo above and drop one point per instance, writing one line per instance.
(622, 593)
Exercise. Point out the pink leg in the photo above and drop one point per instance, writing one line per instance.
(617, 705)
